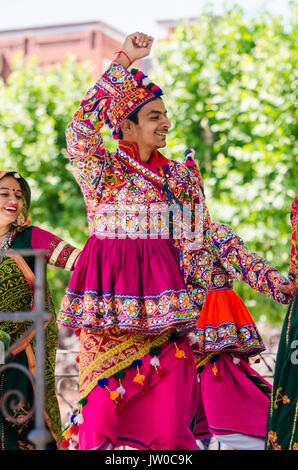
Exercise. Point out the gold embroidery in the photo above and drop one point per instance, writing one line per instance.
(295, 446)
(57, 252)
(279, 397)
(121, 356)
(72, 259)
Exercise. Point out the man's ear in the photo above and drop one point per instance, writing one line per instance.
(127, 126)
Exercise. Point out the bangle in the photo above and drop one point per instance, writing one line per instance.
(122, 52)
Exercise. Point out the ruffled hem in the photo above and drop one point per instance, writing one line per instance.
(149, 316)
(225, 324)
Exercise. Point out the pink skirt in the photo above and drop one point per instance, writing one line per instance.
(233, 398)
(135, 284)
(156, 417)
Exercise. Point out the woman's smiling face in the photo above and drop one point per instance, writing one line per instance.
(11, 200)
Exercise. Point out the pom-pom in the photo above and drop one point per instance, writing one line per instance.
(121, 390)
(137, 363)
(74, 429)
(103, 382)
(77, 332)
(179, 353)
(192, 338)
(155, 351)
(173, 338)
(77, 359)
(82, 401)
(139, 379)
(114, 395)
(155, 362)
(67, 433)
(120, 374)
(72, 445)
(236, 360)
(79, 419)
(64, 444)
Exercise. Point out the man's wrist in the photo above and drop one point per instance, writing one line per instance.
(124, 59)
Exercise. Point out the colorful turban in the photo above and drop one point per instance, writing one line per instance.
(136, 90)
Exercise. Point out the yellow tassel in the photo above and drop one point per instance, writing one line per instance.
(214, 370)
(114, 395)
(179, 353)
(139, 379)
(67, 433)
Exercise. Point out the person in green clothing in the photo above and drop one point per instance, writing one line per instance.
(16, 294)
(282, 425)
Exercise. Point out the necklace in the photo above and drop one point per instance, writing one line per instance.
(6, 243)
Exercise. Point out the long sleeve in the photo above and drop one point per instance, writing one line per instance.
(84, 141)
(245, 265)
(193, 240)
(61, 254)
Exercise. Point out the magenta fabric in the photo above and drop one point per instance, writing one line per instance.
(132, 266)
(156, 419)
(233, 404)
(135, 284)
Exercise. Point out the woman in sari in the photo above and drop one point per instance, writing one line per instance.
(16, 295)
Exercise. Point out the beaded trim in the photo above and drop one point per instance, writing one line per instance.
(140, 167)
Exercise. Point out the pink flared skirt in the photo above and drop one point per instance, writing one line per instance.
(135, 284)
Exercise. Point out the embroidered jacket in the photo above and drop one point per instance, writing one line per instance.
(123, 195)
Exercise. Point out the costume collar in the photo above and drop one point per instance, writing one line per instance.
(131, 148)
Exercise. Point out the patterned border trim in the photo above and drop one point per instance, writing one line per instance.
(136, 340)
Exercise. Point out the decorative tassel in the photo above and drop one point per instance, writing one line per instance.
(139, 378)
(214, 369)
(155, 362)
(77, 332)
(64, 444)
(143, 79)
(236, 360)
(103, 383)
(67, 434)
(114, 395)
(79, 419)
(72, 445)
(82, 401)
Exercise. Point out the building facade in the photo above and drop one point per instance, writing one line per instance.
(94, 41)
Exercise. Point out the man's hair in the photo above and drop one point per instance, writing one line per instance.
(132, 117)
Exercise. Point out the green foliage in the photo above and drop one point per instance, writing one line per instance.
(230, 90)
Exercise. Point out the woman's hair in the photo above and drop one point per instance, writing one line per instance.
(132, 117)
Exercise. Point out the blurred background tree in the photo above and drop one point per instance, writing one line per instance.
(229, 85)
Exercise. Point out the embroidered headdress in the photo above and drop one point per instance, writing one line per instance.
(136, 90)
